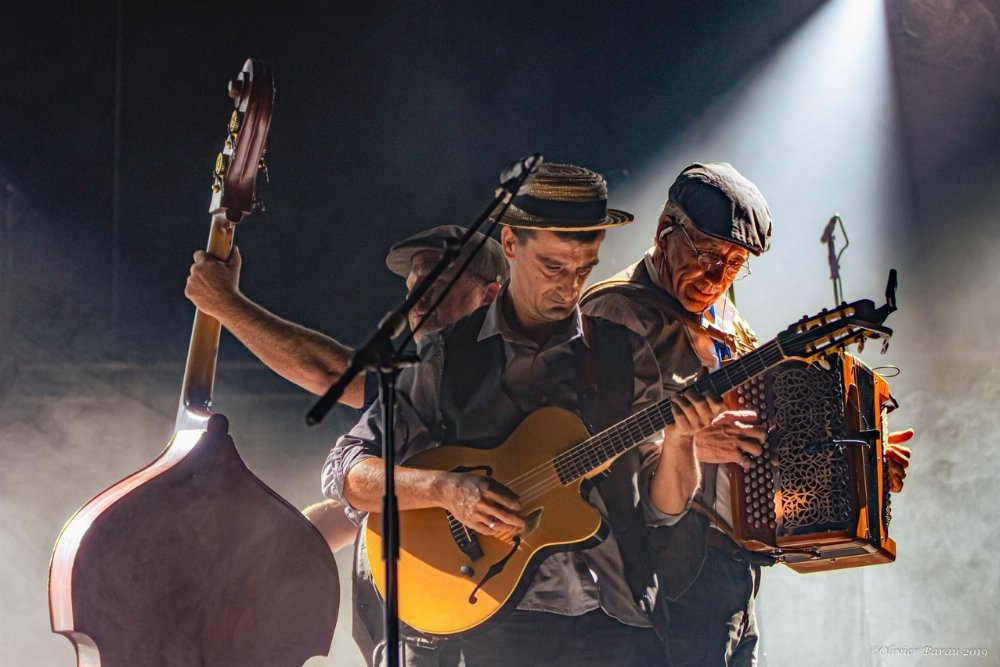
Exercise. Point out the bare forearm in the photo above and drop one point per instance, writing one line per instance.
(302, 356)
(677, 475)
(364, 486)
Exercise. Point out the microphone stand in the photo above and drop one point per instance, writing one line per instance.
(833, 257)
(379, 354)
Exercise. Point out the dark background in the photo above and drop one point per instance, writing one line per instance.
(391, 117)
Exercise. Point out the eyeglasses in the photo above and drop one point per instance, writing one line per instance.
(711, 263)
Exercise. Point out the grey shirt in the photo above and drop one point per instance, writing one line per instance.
(568, 583)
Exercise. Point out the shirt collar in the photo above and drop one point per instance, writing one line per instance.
(496, 324)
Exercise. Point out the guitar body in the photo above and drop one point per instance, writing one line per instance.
(437, 577)
(193, 561)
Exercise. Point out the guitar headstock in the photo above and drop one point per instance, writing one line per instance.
(235, 185)
(813, 338)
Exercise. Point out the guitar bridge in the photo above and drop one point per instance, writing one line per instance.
(464, 539)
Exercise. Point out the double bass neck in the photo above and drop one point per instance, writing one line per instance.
(199, 372)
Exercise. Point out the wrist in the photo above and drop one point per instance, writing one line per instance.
(232, 307)
(678, 441)
(441, 483)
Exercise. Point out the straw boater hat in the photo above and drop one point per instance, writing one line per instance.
(563, 197)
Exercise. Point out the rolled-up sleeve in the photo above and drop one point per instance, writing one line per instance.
(361, 442)
(416, 410)
(650, 459)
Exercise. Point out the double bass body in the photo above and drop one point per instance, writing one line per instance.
(193, 560)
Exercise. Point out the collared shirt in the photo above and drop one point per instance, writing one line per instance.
(533, 376)
(681, 349)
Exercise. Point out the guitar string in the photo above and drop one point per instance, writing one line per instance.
(539, 490)
(615, 436)
(611, 439)
(581, 458)
(574, 456)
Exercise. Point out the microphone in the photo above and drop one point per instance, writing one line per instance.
(828, 231)
(833, 256)
(517, 177)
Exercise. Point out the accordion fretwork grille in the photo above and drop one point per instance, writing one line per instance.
(804, 410)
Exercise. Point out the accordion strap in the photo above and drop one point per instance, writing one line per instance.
(714, 519)
(665, 302)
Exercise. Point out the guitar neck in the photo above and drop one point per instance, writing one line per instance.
(607, 445)
(199, 372)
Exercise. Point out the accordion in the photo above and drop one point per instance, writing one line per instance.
(818, 497)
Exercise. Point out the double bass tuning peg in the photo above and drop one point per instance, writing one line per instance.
(236, 86)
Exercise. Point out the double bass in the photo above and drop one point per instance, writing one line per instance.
(193, 560)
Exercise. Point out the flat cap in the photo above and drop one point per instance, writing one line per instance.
(723, 203)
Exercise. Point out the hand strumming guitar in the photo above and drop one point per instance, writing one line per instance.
(482, 504)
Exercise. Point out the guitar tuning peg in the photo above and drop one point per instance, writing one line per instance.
(234, 122)
(220, 165)
(231, 142)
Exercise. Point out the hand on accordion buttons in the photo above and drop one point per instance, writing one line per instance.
(898, 458)
(732, 437)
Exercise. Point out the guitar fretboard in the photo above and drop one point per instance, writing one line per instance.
(623, 436)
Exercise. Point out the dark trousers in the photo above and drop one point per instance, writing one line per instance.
(540, 639)
(712, 624)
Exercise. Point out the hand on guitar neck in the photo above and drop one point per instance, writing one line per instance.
(734, 436)
(677, 475)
